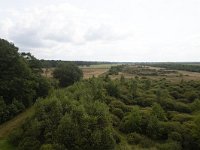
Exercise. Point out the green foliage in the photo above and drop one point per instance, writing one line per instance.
(114, 70)
(153, 127)
(100, 113)
(113, 89)
(195, 106)
(132, 122)
(175, 136)
(67, 74)
(170, 146)
(177, 66)
(20, 83)
(47, 147)
(118, 112)
(158, 112)
(196, 130)
(134, 138)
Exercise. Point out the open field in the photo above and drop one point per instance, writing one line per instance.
(179, 75)
(95, 70)
(156, 73)
(88, 71)
(140, 71)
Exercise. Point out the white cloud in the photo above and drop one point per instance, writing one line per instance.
(53, 25)
(114, 30)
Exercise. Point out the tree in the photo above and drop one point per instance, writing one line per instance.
(158, 112)
(19, 83)
(67, 74)
(132, 122)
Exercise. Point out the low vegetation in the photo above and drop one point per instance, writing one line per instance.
(96, 113)
(102, 113)
(177, 66)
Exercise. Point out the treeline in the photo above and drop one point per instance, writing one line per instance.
(55, 63)
(101, 113)
(20, 81)
(176, 66)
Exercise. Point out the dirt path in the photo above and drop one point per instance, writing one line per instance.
(7, 127)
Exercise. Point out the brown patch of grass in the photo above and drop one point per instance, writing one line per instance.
(7, 127)
(90, 72)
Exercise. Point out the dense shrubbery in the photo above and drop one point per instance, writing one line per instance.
(91, 113)
(20, 82)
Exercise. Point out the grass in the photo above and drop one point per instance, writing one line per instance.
(90, 72)
(5, 145)
(7, 127)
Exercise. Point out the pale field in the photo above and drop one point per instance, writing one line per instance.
(98, 70)
(90, 72)
(178, 76)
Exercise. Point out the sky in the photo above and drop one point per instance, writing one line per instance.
(104, 30)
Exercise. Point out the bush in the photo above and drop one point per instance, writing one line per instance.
(169, 146)
(132, 122)
(195, 106)
(167, 127)
(118, 112)
(182, 117)
(175, 136)
(134, 138)
(16, 136)
(47, 147)
(115, 120)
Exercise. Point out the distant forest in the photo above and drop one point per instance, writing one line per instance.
(193, 67)
(55, 63)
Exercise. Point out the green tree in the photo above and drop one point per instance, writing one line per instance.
(67, 74)
(19, 84)
(158, 112)
(132, 122)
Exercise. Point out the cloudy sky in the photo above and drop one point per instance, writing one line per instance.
(104, 30)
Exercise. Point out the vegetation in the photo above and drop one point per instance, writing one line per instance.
(177, 66)
(56, 63)
(20, 83)
(67, 74)
(99, 112)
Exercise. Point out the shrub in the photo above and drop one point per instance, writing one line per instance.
(134, 138)
(15, 136)
(47, 147)
(182, 117)
(118, 112)
(169, 146)
(175, 136)
(132, 122)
